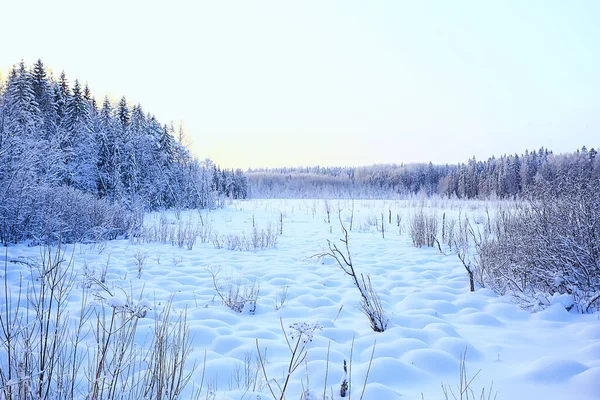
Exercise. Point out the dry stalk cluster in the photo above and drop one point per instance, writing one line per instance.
(248, 374)
(259, 239)
(448, 231)
(119, 368)
(49, 353)
(464, 387)
(177, 233)
(423, 228)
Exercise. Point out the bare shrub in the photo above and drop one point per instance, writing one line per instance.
(191, 234)
(235, 294)
(399, 223)
(217, 240)
(237, 242)
(181, 234)
(370, 302)
(327, 208)
(264, 238)
(186, 233)
(467, 244)
(91, 274)
(547, 249)
(281, 297)
(164, 230)
(423, 229)
(450, 228)
(372, 221)
(205, 232)
(140, 258)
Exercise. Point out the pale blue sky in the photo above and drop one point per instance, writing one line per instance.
(281, 83)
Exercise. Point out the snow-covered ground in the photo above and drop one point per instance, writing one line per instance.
(552, 354)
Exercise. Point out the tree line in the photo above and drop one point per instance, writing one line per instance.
(60, 150)
(508, 176)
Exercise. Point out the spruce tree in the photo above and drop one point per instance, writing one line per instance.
(82, 146)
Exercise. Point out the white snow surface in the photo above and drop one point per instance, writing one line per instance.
(552, 354)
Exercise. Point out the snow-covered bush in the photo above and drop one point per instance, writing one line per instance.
(49, 214)
(547, 248)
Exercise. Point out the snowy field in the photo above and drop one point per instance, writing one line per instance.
(551, 354)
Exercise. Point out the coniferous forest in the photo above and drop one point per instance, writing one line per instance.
(508, 176)
(74, 168)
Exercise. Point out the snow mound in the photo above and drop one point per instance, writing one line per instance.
(591, 352)
(506, 311)
(480, 318)
(550, 369)
(224, 344)
(433, 361)
(555, 313)
(378, 391)
(338, 335)
(396, 348)
(588, 381)
(589, 332)
(203, 335)
(456, 347)
(393, 372)
(259, 334)
(415, 321)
